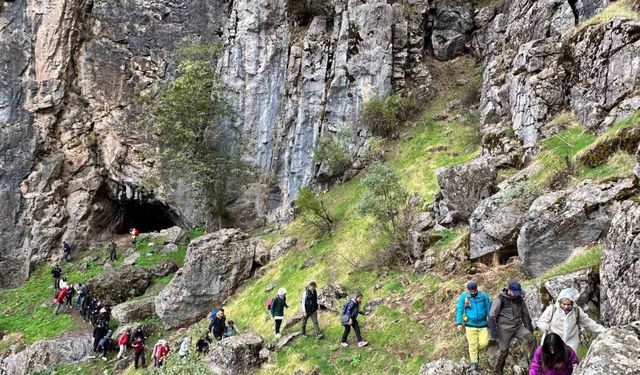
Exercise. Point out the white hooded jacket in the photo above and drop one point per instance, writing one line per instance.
(566, 325)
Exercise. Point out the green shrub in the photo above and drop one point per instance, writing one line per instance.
(384, 116)
(332, 151)
(314, 211)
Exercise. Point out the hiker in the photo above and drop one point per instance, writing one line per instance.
(310, 309)
(84, 305)
(217, 324)
(138, 350)
(230, 329)
(184, 347)
(103, 345)
(554, 357)
(349, 318)
(134, 235)
(137, 333)
(71, 291)
(83, 291)
(112, 250)
(63, 283)
(278, 304)
(99, 331)
(60, 301)
(202, 345)
(472, 312)
(56, 273)
(509, 318)
(565, 317)
(160, 352)
(123, 341)
(66, 251)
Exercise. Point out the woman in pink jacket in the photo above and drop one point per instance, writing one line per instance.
(554, 357)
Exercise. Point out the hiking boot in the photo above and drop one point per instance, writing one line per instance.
(344, 344)
(320, 336)
(362, 344)
(278, 335)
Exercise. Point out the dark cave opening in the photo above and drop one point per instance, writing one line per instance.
(147, 216)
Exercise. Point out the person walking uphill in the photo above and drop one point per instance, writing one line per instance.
(349, 318)
(310, 309)
(60, 301)
(66, 251)
(565, 318)
(217, 325)
(138, 350)
(278, 304)
(56, 273)
(472, 312)
(509, 318)
(554, 357)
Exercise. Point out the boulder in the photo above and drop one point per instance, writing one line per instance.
(620, 268)
(261, 254)
(237, 355)
(625, 139)
(131, 259)
(462, 188)
(560, 223)
(120, 284)
(584, 282)
(286, 340)
(164, 267)
(133, 311)
(533, 299)
(169, 248)
(614, 352)
(496, 222)
(42, 355)
(282, 247)
(175, 235)
(215, 265)
(452, 27)
(444, 367)
(329, 297)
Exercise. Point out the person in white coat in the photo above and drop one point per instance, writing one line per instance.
(184, 347)
(565, 318)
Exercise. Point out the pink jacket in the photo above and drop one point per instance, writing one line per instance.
(537, 368)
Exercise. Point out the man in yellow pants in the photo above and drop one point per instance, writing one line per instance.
(472, 312)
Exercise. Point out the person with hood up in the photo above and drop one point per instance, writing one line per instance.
(123, 342)
(509, 318)
(278, 305)
(349, 318)
(565, 318)
(160, 352)
(472, 312)
(554, 357)
(184, 347)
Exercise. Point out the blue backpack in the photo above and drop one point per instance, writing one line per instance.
(214, 313)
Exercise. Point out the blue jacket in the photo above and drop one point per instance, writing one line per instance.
(477, 312)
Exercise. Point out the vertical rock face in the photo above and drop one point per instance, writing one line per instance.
(614, 352)
(215, 266)
(620, 268)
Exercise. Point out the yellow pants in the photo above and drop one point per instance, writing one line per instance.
(478, 339)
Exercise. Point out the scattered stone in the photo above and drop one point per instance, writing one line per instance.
(42, 355)
(620, 268)
(329, 296)
(164, 268)
(562, 222)
(463, 187)
(107, 267)
(118, 285)
(440, 117)
(292, 321)
(216, 264)
(169, 248)
(132, 311)
(308, 263)
(123, 364)
(614, 352)
(237, 355)
(423, 265)
(282, 246)
(270, 287)
(444, 367)
(130, 260)
(175, 235)
(373, 304)
(285, 340)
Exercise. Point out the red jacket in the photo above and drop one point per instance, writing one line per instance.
(138, 346)
(62, 294)
(161, 351)
(124, 339)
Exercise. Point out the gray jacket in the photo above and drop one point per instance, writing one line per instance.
(508, 314)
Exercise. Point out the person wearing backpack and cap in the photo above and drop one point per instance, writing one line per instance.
(278, 305)
(349, 319)
(565, 317)
(472, 312)
(509, 318)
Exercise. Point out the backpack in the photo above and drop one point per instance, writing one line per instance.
(214, 313)
(269, 303)
(344, 317)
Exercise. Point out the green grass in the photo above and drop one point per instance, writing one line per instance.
(620, 164)
(620, 9)
(589, 258)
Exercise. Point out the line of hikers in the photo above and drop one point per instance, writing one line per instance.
(507, 317)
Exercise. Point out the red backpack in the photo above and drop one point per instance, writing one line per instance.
(269, 303)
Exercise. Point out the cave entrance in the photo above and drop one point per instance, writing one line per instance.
(150, 216)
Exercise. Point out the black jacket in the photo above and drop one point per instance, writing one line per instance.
(310, 301)
(56, 272)
(352, 309)
(218, 324)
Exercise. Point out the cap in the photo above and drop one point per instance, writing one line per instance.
(103, 310)
(472, 285)
(515, 288)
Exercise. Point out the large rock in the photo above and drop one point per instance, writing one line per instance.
(133, 311)
(237, 355)
(625, 139)
(120, 284)
(496, 222)
(164, 268)
(444, 367)
(215, 265)
(462, 188)
(452, 26)
(584, 282)
(42, 355)
(620, 267)
(615, 352)
(533, 299)
(173, 235)
(561, 222)
(282, 247)
(329, 297)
